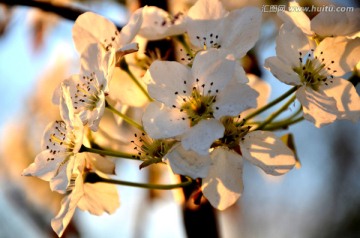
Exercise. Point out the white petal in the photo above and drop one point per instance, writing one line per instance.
(240, 74)
(317, 106)
(162, 122)
(124, 90)
(282, 71)
(223, 185)
(99, 198)
(207, 9)
(157, 24)
(204, 33)
(68, 206)
(188, 162)
(265, 150)
(90, 28)
(46, 165)
(67, 110)
(233, 99)
(97, 113)
(328, 23)
(346, 97)
(260, 86)
(213, 68)
(290, 43)
(60, 182)
(92, 60)
(101, 163)
(171, 82)
(200, 137)
(296, 17)
(240, 30)
(129, 31)
(343, 52)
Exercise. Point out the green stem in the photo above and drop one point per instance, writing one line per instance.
(124, 66)
(283, 124)
(123, 116)
(108, 152)
(275, 114)
(274, 102)
(95, 178)
(284, 121)
(181, 40)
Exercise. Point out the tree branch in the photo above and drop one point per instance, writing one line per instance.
(62, 10)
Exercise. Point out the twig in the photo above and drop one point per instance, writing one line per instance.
(62, 10)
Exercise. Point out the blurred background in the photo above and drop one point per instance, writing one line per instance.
(321, 199)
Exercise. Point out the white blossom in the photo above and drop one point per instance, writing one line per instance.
(95, 198)
(324, 95)
(60, 147)
(190, 101)
(324, 24)
(210, 25)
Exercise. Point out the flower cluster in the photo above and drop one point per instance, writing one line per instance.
(196, 114)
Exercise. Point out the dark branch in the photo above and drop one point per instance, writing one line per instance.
(62, 10)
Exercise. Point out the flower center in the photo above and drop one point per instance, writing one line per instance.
(86, 95)
(209, 41)
(60, 140)
(235, 130)
(314, 72)
(151, 150)
(198, 107)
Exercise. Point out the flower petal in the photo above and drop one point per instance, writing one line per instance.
(63, 218)
(60, 182)
(328, 23)
(296, 17)
(241, 30)
(346, 97)
(188, 162)
(162, 122)
(90, 28)
(171, 82)
(211, 66)
(339, 53)
(207, 9)
(200, 137)
(282, 71)
(292, 44)
(263, 89)
(317, 106)
(101, 163)
(233, 99)
(124, 90)
(129, 31)
(157, 24)
(223, 185)
(265, 150)
(45, 165)
(68, 206)
(99, 198)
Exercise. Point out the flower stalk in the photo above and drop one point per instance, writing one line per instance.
(123, 116)
(124, 66)
(277, 113)
(272, 103)
(95, 178)
(108, 152)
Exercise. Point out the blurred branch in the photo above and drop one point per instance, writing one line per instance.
(62, 10)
